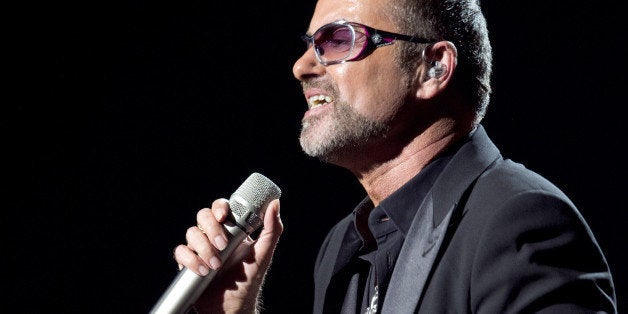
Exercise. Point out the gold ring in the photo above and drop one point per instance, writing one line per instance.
(199, 228)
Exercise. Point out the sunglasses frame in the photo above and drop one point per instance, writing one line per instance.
(376, 38)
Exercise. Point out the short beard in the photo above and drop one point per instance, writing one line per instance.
(344, 133)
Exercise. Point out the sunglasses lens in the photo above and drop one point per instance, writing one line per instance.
(334, 42)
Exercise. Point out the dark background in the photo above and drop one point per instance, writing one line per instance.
(122, 118)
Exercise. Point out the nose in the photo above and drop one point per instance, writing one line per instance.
(307, 65)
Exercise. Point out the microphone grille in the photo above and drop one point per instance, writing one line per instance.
(253, 194)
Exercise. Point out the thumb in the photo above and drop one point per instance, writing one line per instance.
(269, 236)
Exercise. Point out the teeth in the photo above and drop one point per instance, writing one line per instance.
(318, 100)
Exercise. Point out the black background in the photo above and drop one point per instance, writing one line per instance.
(122, 118)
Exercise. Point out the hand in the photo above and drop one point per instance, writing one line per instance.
(237, 286)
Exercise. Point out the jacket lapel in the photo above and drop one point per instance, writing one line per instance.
(415, 260)
(430, 224)
(327, 264)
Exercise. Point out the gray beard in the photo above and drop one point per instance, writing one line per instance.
(343, 133)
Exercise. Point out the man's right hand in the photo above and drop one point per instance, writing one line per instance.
(236, 288)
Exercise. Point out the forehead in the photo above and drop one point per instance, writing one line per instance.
(369, 12)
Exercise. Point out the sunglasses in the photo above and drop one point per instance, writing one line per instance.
(343, 41)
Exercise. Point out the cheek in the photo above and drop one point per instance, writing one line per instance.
(376, 92)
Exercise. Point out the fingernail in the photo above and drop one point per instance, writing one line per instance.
(222, 215)
(214, 262)
(203, 270)
(221, 242)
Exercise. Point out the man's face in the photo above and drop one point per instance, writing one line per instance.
(352, 105)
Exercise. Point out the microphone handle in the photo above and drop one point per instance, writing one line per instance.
(187, 286)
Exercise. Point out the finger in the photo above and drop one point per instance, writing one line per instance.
(220, 209)
(205, 219)
(212, 226)
(201, 245)
(186, 257)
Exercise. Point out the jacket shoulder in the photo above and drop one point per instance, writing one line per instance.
(506, 179)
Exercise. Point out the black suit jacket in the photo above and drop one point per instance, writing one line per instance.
(490, 237)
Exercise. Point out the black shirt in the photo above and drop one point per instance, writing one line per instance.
(370, 249)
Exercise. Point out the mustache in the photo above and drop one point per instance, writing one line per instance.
(321, 84)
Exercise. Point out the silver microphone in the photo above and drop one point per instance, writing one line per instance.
(246, 216)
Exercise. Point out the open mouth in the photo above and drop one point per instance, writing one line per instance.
(318, 100)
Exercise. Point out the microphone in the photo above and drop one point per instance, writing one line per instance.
(246, 216)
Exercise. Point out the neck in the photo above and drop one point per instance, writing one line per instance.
(382, 178)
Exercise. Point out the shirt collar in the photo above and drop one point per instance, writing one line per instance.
(403, 204)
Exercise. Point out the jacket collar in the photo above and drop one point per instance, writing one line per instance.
(433, 219)
(466, 165)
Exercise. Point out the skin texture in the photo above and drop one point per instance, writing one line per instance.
(413, 127)
(381, 125)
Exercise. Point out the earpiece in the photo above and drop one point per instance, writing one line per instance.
(436, 70)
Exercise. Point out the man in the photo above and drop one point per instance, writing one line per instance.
(396, 92)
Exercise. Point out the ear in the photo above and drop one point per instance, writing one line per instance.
(435, 72)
